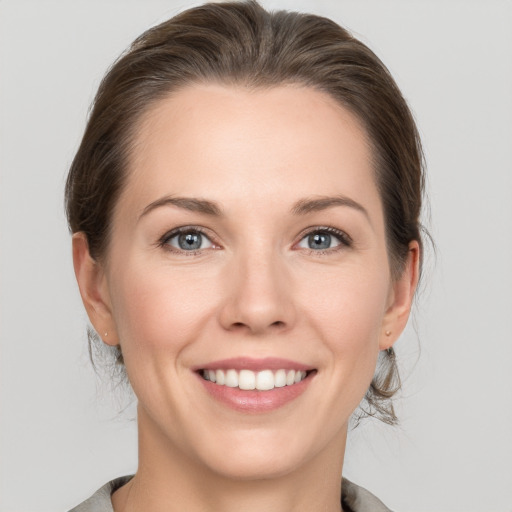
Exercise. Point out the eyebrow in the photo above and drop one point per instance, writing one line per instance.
(192, 204)
(301, 207)
(316, 204)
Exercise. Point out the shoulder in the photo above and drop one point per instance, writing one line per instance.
(101, 501)
(358, 499)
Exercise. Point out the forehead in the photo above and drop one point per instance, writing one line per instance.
(250, 143)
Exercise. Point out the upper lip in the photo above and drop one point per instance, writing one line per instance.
(254, 364)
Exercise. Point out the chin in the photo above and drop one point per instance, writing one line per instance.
(259, 465)
(257, 454)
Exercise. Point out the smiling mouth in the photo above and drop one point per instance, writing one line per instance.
(247, 380)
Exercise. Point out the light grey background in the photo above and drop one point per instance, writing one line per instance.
(61, 439)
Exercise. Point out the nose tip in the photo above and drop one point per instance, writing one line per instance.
(258, 299)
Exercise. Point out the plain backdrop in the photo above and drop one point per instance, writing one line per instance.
(61, 434)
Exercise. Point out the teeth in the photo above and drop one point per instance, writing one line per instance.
(280, 379)
(220, 377)
(265, 380)
(231, 379)
(248, 380)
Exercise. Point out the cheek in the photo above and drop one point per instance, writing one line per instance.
(351, 323)
(348, 309)
(159, 309)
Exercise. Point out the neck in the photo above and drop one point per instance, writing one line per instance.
(169, 480)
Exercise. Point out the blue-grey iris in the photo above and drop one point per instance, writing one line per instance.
(190, 241)
(319, 241)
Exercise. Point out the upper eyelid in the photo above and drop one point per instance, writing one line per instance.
(328, 229)
(343, 235)
(184, 229)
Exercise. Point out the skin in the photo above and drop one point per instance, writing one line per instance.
(255, 289)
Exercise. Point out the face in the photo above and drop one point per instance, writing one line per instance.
(248, 248)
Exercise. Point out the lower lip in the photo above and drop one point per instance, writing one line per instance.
(256, 401)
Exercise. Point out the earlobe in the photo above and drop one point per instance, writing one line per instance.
(93, 287)
(401, 298)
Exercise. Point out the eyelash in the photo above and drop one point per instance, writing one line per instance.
(342, 237)
(163, 242)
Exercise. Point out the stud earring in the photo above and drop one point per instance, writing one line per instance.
(388, 333)
(106, 334)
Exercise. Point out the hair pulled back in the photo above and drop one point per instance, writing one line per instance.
(240, 43)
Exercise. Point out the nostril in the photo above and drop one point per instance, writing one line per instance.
(278, 324)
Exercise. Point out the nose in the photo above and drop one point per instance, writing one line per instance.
(258, 295)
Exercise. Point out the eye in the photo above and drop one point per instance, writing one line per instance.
(187, 239)
(324, 239)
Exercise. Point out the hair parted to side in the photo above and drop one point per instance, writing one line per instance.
(241, 44)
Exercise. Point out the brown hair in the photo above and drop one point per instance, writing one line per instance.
(240, 43)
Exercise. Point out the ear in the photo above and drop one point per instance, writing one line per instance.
(93, 287)
(400, 298)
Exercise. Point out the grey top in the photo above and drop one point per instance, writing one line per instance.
(353, 499)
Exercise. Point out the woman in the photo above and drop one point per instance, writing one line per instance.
(244, 207)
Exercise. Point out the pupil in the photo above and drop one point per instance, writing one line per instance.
(189, 241)
(319, 241)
